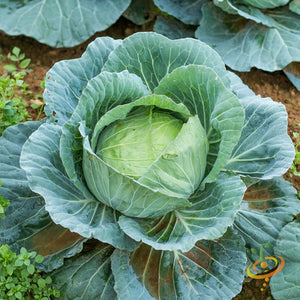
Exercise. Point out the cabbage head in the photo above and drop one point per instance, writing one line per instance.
(154, 173)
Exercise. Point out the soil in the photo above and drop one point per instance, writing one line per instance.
(274, 85)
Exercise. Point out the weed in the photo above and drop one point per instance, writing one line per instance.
(19, 278)
(12, 106)
(17, 58)
(293, 169)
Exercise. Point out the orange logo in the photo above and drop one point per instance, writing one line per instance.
(276, 262)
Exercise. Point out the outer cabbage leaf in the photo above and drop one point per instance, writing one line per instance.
(188, 11)
(286, 283)
(27, 223)
(264, 149)
(60, 23)
(268, 206)
(87, 276)
(172, 28)
(213, 210)
(66, 204)
(67, 78)
(245, 44)
(211, 270)
(152, 56)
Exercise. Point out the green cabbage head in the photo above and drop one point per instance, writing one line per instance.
(147, 149)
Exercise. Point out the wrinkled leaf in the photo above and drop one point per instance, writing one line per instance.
(28, 224)
(244, 44)
(60, 23)
(267, 207)
(211, 268)
(286, 283)
(86, 276)
(264, 149)
(213, 210)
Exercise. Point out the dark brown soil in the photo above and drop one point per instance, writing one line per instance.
(274, 85)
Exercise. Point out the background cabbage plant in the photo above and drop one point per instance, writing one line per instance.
(176, 220)
(262, 34)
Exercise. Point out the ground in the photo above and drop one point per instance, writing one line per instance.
(274, 85)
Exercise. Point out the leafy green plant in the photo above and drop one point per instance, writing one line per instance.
(19, 278)
(19, 59)
(12, 107)
(12, 87)
(293, 169)
(4, 204)
(156, 170)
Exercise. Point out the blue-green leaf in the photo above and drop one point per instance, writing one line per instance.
(267, 207)
(213, 210)
(264, 150)
(188, 11)
(28, 224)
(244, 44)
(286, 283)
(87, 276)
(172, 28)
(60, 23)
(210, 270)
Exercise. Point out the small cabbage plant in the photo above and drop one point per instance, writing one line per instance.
(152, 176)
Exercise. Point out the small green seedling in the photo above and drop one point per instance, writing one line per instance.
(19, 278)
(18, 59)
